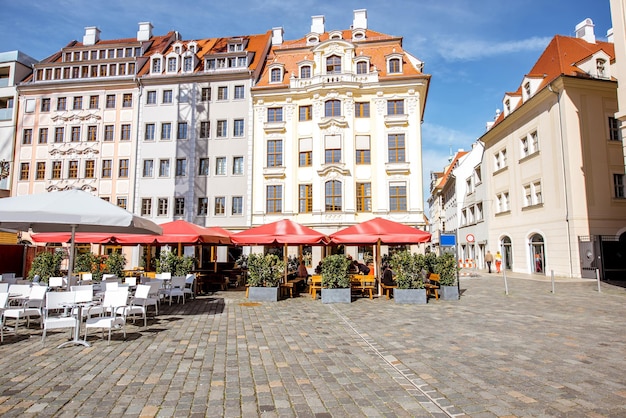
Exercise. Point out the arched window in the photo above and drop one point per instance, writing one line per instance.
(305, 71)
(537, 253)
(361, 67)
(600, 67)
(156, 65)
(394, 65)
(332, 108)
(171, 64)
(275, 75)
(333, 196)
(333, 65)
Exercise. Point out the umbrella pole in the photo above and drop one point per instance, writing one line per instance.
(377, 266)
(286, 261)
(70, 263)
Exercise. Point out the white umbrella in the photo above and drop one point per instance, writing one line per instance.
(70, 211)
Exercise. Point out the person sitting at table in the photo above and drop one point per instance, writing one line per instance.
(303, 273)
(318, 269)
(361, 268)
(388, 276)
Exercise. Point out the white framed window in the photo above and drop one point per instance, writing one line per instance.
(614, 126)
(276, 75)
(532, 194)
(222, 129)
(238, 128)
(238, 165)
(499, 161)
(529, 144)
(502, 202)
(618, 184)
(220, 166)
(222, 93)
(237, 205)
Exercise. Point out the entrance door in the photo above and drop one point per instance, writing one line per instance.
(507, 253)
(537, 261)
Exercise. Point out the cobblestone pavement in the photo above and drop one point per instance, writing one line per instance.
(531, 353)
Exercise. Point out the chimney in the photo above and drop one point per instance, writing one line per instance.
(92, 35)
(360, 19)
(317, 24)
(584, 30)
(145, 31)
(277, 35)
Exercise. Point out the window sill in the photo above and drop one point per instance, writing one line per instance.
(500, 170)
(504, 212)
(531, 207)
(529, 157)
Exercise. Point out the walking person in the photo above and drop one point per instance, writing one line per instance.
(489, 260)
(498, 261)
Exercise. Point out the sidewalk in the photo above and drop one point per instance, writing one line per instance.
(529, 353)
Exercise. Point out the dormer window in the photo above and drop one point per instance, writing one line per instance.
(600, 67)
(507, 106)
(192, 47)
(188, 64)
(527, 88)
(156, 66)
(276, 75)
(358, 35)
(305, 71)
(333, 65)
(312, 40)
(177, 48)
(235, 47)
(362, 67)
(335, 35)
(172, 64)
(394, 65)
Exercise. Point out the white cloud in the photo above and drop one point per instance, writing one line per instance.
(470, 50)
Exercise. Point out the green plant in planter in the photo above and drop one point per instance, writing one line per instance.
(447, 268)
(178, 265)
(335, 270)
(46, 264)
(90, 262)
(114, 264)
(409, 269)
(430, 259)
(265, 270)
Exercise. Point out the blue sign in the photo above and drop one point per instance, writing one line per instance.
(447, 240)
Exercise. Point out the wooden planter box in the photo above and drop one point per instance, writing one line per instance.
(336, 295)
(263, 294)
(413, 296)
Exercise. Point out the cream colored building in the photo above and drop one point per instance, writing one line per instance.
(15, 66)
(554, 162)
(338, 140)
(618, 16)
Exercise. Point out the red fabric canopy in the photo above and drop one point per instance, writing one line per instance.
(173, 232)
(379, 229)
(281, 232)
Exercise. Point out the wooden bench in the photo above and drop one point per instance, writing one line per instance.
(365, 284)
(432, 288)
(387, 289)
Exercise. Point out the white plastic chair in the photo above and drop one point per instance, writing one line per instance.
(176, 289)
(56, 314)
(190, 288)
(55, 282)
(86, 278)
(114, 302)
(32, 306)
(4, 287)
(4, 298)
(140, 302)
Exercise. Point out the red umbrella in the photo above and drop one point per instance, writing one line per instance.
(379, 230)
(281, 232)
(173, 233)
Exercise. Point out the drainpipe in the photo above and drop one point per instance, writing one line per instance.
(137, 176)
(562, 144)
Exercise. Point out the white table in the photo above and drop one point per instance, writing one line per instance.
(77, 310)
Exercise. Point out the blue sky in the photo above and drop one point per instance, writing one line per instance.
(475, 50)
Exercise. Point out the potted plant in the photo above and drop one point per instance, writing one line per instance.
(447, 268)
(409, 272)
(336, 280)
(114, 264)
(45, 265)
(264, 275)
(178, 265)
(90, 263)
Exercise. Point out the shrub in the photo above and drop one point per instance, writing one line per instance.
(89, 262)
(265, 270)
(178, 265)
(335, 270)
(409, 269)
(46, 264)
(115, 263)
(447, 268)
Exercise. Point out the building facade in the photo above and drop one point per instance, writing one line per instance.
(15, 66)
(337, 125)
(555, 163)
